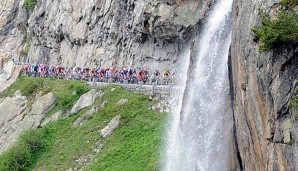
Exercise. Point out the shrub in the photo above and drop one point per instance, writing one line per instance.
(282, 30)
(294, 101)
(289, 3)
(66, 99)
(25, 50)
(80, 90)
(27, 45)
(22, 154)
(16, 158)
(30, 4)
(34, 139)
(29, 89)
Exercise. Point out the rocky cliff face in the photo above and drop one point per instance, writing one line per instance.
(263, 84)
(137, 33)
(12, 15)
(16, 116)
(152, 33)
(100, 33)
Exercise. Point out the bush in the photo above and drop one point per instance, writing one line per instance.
(30, 4)
(22, 154)
(289, 3)
(80, 90)
(66, 99)
(16, 158)
(27, 45)
(34, 139)
(30, 89)
(294, 101)
(282, 30)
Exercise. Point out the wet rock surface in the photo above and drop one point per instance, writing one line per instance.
(262, 87)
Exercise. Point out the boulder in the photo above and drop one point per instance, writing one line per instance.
(11, 114)
(287, 125)
(8, 75)
(85, 117)
(11, 108)
(43, 104)
(108, 130)
(121, 102)
(15, 116)
(52, 118)
(85, 100)
(40, 107)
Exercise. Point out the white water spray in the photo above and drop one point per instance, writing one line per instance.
(199, 135)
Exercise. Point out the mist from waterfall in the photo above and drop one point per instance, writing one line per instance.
(199, 134)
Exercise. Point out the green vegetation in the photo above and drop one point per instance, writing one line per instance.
(62, 90)
(294, 103)
(283, 30)
(24, 52)
(25, 152)
(134, 146)
(291, 142)
(30, 4)
(289, 3)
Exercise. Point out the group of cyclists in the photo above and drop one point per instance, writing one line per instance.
(109, 74)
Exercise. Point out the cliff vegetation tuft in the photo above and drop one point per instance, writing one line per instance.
(30, 4)
(294, 103)
(282, 30)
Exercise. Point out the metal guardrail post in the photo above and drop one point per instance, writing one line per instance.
(170, 89)
(153, 88)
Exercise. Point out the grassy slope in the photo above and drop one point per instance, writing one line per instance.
(135, 145)
(63, 90)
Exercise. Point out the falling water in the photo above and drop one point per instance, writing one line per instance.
(199, 135)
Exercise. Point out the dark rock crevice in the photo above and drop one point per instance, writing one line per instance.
(235, 150)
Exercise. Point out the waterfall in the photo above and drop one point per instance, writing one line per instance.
(199, 135)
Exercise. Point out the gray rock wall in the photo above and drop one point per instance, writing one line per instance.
(13, 20)
(137, 33)
(16, 116)
(262, 86)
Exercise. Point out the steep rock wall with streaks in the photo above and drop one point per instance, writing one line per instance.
(263, 84)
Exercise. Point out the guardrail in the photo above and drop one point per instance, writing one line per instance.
(161, 91)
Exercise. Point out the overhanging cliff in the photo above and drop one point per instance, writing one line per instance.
(119, 33)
